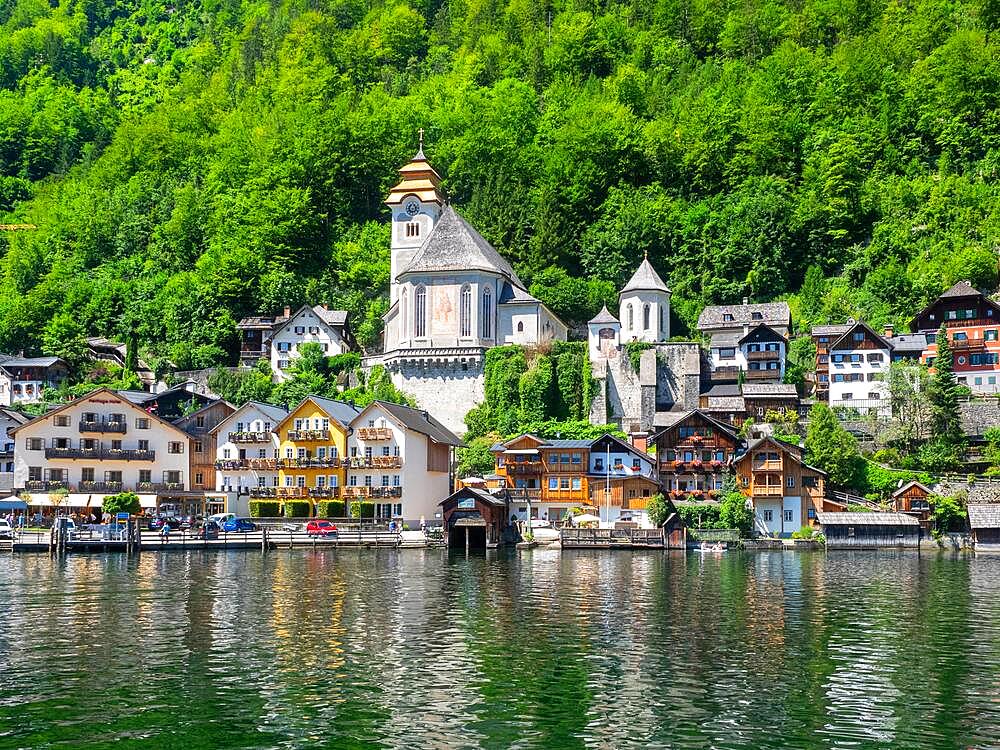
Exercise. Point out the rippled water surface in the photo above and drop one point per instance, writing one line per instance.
(430, 649)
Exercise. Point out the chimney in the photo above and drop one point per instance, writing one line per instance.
(640, 441)
(288, 311)
(746, 328)
(889, 330)
(325, 306)
(746, 300)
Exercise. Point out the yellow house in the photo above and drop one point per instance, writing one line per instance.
(312, 445)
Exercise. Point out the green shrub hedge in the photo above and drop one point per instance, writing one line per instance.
(362, 509)
(298, 509)
(265, 508)
(330, 509)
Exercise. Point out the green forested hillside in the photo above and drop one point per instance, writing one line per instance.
(188, 162)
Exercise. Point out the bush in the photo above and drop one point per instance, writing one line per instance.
(265, 509)
(806, 532)
(298, 509)
(362, 509)
(889, 456)
(657, 509)
(330, 509)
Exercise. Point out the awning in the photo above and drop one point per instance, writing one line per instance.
(72, 500)
(147, 501)
(13, 503)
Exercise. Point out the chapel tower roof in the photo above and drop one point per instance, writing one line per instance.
(418, 178)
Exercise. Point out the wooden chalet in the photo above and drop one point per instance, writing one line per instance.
(693, 455)
(912, 498)
(474, 517)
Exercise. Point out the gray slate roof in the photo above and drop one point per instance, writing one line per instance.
(8, 360)
(723, 389)
(772, 314)
(568, 443)
(605, 316)
(454, 245)
(726, 339)
(961, 289)
(831, 330)
(866, 519)
(421, 421)
(342, 411)
(986, 516)
(909, 342)
(645, 278)
(512, 294)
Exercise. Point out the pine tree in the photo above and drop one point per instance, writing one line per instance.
(832, 448)
(946, 423)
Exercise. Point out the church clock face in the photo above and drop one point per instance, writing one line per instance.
(412, 207)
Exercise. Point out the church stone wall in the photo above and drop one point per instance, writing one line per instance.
(444, 389)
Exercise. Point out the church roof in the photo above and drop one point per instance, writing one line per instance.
(645, 278)
(511, 294)
(453, 245)
(604, 316)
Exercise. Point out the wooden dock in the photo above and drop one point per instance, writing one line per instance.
(581, 538)
(150, 541)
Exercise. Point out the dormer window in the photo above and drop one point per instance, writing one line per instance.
(757, 316)
(728, 317)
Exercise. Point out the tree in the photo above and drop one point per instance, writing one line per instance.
(948, 511)
(123, 502)
(909, 385)
(476, 459)
(946, 422)
(65, 338)
(831, 448)
(735, 511)
(657, 509)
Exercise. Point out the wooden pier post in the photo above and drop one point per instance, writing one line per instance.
(263, 539)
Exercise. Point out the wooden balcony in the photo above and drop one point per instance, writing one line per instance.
(525, 467)
(311, 463)
(726, 373)
(288, 493)
(263, 492)
(376, 462)
(763, 375)
(309, 435)
(249, 437)
(763, 356)
(101, 454)
(46, 484)
(768, 490)
(374, 433)
(767, 465)
(372, 492)
(567, 496)
(99, 425)
(160, 487)
(965, 345)
(524, 494)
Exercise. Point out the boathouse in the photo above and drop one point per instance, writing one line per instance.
(869, 530)
(474, 517)
(984, 521)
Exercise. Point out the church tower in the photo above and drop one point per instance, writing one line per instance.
(644, 306)
(416, 204)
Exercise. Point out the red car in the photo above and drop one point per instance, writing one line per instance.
(321, 528)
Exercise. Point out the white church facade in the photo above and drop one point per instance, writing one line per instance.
(452, 297)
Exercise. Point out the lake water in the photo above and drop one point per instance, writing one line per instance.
(430, 649)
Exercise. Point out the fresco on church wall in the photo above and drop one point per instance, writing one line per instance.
(444, 310)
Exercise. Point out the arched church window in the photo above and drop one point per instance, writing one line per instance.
(645, 317)
(520, 326)
(663, 319)
(465, 311)
(420, 312)
(631, 316)
(487, 313)
(404, 322)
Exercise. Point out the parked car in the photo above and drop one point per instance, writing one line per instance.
(6, 531)
(239, 524)
(221, 518)
(321, 528)
(208, 530)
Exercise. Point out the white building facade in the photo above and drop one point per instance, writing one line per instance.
(97, 445)
(24, 379)
(247, 454)
(399, 458)
(859, 370)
